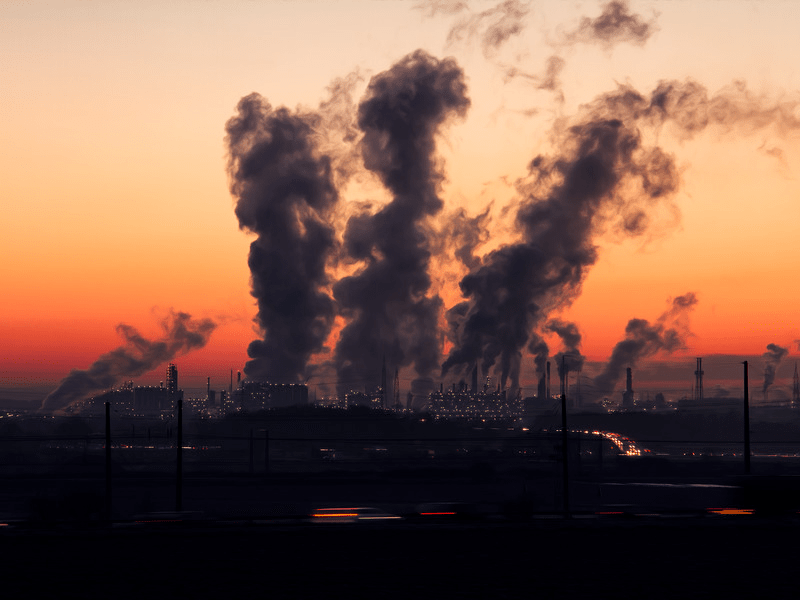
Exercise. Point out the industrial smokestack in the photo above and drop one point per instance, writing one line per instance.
(548, 380)
(772, 359)
(629, 384)
(643, 339)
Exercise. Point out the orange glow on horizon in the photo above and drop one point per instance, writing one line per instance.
(117, 203)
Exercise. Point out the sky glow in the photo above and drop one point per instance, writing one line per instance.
(118, 208)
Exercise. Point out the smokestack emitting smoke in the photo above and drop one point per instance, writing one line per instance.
(571, 356)
(286, 195)
(600, 175)
(642, 339)
(138, 355)
(388, 301)
(772, 358)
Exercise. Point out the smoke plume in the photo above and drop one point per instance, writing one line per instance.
(642, 339)
(571, 356)
(772, 358)
(614, 25)
(285, 193)
(138, 355)
(602, 176)
(387, 302)
(493, 26)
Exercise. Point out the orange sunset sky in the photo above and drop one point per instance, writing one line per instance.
(116, 200)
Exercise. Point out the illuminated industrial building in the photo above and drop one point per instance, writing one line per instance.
(468, 404)
(253, 396)
(137, 401)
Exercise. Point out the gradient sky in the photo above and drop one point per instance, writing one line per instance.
(116, 206)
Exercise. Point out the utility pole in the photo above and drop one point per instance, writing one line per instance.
(746, 422)
(179, 470)
(108, 461)
(564, 452)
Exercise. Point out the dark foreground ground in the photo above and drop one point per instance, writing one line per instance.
(699, 557)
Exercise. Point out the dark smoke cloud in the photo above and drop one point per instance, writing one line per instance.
(286, 193)
(571, 356)
(772, 358)
(615, 24)
(602, 175)
(138, 355)
(642, 339)
(387, 303)
(493, 26)
(463, 234)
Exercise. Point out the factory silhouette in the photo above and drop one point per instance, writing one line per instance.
(477, 401)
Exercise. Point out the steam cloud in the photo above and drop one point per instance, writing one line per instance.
(387, 302)
(772, 359)
(286, 195)
(138, 355)
(642, 339)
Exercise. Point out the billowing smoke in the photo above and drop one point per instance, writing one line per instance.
(602, 176)
(642, 339)
(138, 355)
(285, 193)
(571, 356)
(387, 302)
(614, 25)
(772, 359)
(464, 234)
